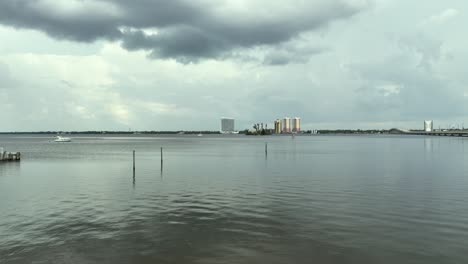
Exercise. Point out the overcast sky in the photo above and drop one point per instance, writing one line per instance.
(183, 64)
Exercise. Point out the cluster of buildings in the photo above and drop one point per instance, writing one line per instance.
(288, 125)
(429, 127)
(291, 126)
(282, 126)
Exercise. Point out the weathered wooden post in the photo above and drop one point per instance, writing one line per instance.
(162, 162)
(161, 155)
(134, 163)
(266, 148)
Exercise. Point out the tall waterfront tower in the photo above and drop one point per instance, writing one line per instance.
(428, 125)
(296, 124)
(286, 125)
(227, 125)
(278, 126)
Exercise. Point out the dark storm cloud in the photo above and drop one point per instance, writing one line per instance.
(86, 25)
(183, 43)
(186, 30)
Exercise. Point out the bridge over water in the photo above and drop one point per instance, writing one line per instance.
(447, 133)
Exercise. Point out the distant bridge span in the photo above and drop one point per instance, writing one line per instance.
(447, 133)
(398, 131)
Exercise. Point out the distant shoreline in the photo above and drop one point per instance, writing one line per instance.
(248, 133)
(111, 132)
(182, 132)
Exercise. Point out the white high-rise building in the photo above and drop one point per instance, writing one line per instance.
(428, 125)
(286, 125)
(296, 124)
(227, 125)
(278, 127)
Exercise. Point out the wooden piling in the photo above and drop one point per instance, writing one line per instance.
(161, 155)
(266, 148)
(134, 163)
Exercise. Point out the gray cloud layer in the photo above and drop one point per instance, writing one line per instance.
(368, 71)
(186, 30)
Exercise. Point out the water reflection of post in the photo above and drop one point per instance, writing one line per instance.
(161, 169)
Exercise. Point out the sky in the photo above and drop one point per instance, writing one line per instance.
(183, 64)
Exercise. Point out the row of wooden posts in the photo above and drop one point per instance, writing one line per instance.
(266, 154)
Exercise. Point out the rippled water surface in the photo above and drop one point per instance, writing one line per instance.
(312, 199)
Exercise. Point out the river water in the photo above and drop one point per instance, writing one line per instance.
(220, 199)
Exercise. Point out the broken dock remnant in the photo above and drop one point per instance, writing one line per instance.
(9, 156)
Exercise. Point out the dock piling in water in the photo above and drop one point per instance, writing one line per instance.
(162, 162)
(134, 163)
(10, 156)
(266, 148)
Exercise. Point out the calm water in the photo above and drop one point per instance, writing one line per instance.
(315, 199)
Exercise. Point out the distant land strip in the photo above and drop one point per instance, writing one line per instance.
(108, 132)
(338, 131)
(455, 132)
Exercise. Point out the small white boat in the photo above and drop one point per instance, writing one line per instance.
(200, 135)
(62, 139)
